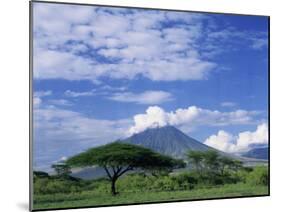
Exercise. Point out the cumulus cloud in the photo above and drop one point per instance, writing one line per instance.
(190, 118)
(38, 95)
(147, 97)
(227, 142)
(158, 45)
(223, 141)
(133, 43)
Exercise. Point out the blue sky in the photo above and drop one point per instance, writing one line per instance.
(104, 73)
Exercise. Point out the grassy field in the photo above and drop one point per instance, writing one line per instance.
(94, 198)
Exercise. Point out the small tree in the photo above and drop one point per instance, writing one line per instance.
(224, 163)
(212, 163)
(236, 165)
(211, 160)
(195, 158)
(119, 158)
(62, 169)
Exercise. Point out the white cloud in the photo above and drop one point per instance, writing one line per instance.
(60, 132)
(223, 141)
(54, 124)
(62, 65)
(60, 102)
(111, 88)
(227, 142)
(190, 118)
(147, 97)
(133, 44)
(259, 43)
(136, 41)
(228, 104)
(104, 90)
(70, 93)
(42, 93)
(37, 101)
(248, 138)
(38, 95)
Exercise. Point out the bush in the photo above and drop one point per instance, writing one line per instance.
(259, 176)
(55, 185)
(134, 182)
(186, 180)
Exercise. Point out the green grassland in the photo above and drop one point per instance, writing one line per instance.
(92, 198)
(54, 192)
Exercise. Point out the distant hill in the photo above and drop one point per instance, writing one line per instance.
(259, 153)
(167, 140)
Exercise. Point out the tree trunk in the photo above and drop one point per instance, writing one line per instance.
(113, 189)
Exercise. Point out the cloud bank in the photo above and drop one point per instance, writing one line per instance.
(228, 142)
(190, 118)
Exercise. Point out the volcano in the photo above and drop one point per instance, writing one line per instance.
(167, 140)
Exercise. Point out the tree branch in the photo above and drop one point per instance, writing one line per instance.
(113, 168)
(125, 170)
(107, 172)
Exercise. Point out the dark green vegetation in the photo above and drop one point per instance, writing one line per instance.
(209, 175)
(119, 158)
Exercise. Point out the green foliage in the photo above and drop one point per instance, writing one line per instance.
(61, 169)
(195, 159)
(94, 197)
(50, 186)
(212, 176)
(214, 169)
(122, 154)
(54, 191)
(259, 176)
(186, 180)
(119, 158)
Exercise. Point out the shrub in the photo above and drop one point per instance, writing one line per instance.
(55, 185)
(259, 176)
(186, 180)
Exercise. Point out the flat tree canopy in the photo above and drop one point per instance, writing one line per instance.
(118, 158)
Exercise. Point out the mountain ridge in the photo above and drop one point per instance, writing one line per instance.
(258, 153)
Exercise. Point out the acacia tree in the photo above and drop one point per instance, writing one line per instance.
(225, 162)
(119, 158)
(195, 158)
(62, 169)
(212, 162)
